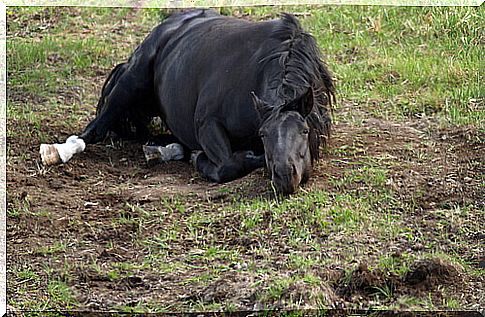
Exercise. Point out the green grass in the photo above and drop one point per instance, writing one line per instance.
(414, 60)
(66, 58)
(27, 274)
(293, 291)
(61, 295)
(398, 62)
(52, 249)
(308, 215)
(57, 295)
(398, 265)
(302, 262)
(18, 207)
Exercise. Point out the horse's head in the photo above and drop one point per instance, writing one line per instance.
(285, 135)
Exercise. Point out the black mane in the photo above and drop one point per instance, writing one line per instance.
(302, 68)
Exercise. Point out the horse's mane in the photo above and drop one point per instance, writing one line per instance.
(303, 69)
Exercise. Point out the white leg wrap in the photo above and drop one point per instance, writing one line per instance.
(171, 152)
(61, 153)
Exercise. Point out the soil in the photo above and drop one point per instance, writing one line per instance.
(96, 186)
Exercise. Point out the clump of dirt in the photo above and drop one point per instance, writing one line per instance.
(362, 281)
(424, 276)
(428, 274)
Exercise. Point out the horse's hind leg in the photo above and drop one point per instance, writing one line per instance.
(95, 132)
(117, 96)
(61, 153)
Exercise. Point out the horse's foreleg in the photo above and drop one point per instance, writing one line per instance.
(238, 165)
(217, 162)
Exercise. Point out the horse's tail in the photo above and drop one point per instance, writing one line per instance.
(108, 86)
(131, 123)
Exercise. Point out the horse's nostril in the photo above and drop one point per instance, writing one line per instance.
(275, 173)
(284, 170)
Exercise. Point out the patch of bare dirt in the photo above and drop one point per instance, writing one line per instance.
(97, 186)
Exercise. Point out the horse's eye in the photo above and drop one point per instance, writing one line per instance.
(305, 131)
(261, 134)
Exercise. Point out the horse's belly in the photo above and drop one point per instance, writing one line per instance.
(181, 125)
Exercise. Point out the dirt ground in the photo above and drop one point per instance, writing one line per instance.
(64, 221)
(76, 203)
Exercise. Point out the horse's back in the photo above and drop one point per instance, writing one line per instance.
(206, 71)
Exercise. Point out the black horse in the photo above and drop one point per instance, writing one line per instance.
(240, 93)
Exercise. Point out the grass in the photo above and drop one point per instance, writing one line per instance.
(82, 56)
(18, 207)
(398, 265)
(51, 249)
(406, 61)
(61, 295)
(396, 64)
(56, 296)
(293, 291)
(301, 262)
(27, 274)
(307, 217)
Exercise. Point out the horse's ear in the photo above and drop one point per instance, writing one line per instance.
(261, 107)
(305, 103)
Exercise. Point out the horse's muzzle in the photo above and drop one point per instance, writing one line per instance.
(285, 178)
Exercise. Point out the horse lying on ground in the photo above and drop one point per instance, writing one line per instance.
(239, 94)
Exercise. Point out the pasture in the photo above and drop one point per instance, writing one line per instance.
(392, 217)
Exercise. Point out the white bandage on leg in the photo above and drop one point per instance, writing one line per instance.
(156, 153)
(61, 153)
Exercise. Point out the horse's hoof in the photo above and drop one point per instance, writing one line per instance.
(152, 154)
(156, 154)
(250, 155)
(49, 154)
(174, 152)
(193, 157)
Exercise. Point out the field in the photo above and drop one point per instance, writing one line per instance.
(392, 218)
